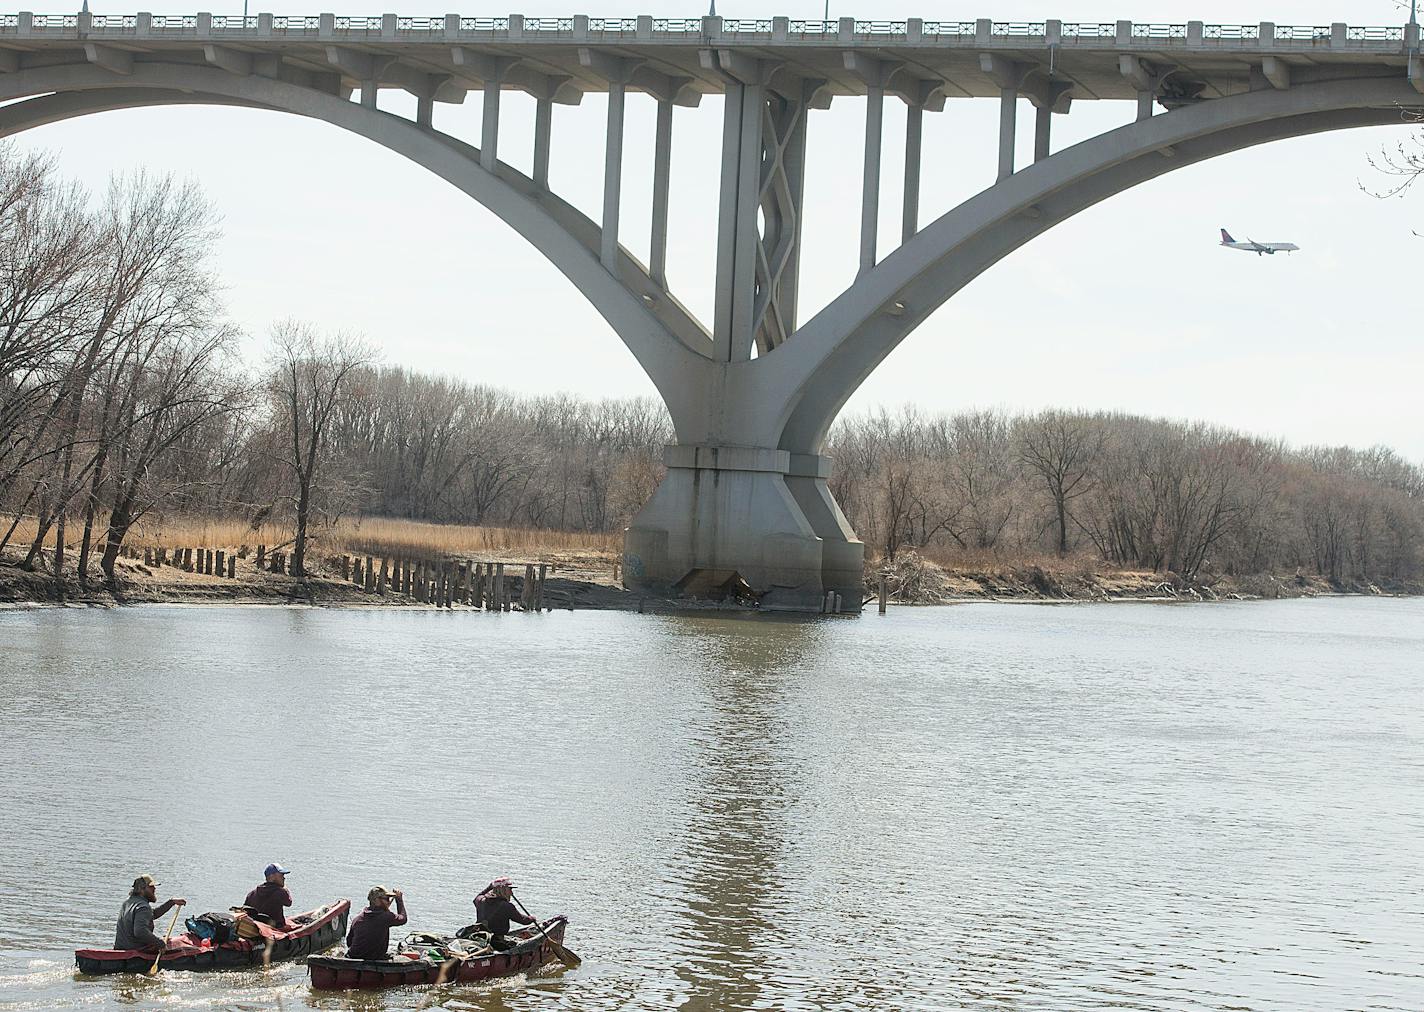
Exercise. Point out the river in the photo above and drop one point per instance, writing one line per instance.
(990, 806)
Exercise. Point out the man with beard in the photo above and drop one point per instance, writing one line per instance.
(135, 927)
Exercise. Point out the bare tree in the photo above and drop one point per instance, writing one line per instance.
(309, 375)
(1059, 447)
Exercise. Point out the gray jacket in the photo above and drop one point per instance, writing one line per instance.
(135, 927)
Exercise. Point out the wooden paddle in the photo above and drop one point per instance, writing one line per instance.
(566, 956)
(154, 968)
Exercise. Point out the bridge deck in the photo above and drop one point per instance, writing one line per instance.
(1219, 57)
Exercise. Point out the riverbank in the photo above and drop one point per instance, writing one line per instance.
(585, 579)
(912, 579)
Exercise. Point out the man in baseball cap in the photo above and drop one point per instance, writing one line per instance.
(266, 901)
(135, 926)
(369, 936)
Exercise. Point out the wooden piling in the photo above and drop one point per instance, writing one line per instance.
(385, 576)
(232, 567)
(261, 555)
(882, 593)
(449, 568)
(187, 560)
(274, 562)
(346, 567)
(370, 583)
(539, 599)
(220, 566)
(356, 572)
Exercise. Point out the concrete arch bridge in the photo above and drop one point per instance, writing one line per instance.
(752, 392)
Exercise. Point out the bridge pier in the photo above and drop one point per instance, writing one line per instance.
(728, 515)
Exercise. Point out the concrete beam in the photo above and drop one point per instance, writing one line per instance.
(927, 94)
(486, 67)
(1139, 73)
(1277, 71)
(1046, 94)
(117, 61)
(1007, 74)
(664, 88)
(231, 60)
(613, 69)
(361, 66)
(552, 87)
(739, 66)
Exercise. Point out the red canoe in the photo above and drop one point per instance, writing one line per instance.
(317, 930)
(334, 973)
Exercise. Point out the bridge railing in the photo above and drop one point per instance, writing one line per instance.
(437, 29)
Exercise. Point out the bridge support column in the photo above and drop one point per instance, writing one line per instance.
(727, 515)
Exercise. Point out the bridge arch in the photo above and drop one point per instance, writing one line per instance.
(667, 342)
(805, 383)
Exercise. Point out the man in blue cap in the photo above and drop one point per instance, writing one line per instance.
(271, 897)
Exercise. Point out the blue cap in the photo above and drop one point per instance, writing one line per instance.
(274, 869)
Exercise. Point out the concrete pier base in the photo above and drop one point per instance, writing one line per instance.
(727, 516)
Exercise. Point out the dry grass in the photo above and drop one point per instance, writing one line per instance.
(372, 535)
(982, 560)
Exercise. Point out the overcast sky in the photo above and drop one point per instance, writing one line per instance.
(1131, 305)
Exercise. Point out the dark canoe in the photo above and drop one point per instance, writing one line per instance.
(336, 973)
(319, 929)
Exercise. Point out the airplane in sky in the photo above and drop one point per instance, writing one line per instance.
(1252, 246)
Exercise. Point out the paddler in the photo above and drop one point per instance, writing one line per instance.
(268, 899)
(135, 927)
(494, 909)
(370, 934)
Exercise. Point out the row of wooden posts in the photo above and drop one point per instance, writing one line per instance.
(446, 583)
(443, 583)
(209, 561)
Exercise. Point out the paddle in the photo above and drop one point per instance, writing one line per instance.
(154, 968)
(566, 956)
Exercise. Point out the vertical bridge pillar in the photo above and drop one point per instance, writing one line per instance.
(739, 510)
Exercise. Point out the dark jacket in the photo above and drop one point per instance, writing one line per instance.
(496, 913)
(269, 898)
(370, 934)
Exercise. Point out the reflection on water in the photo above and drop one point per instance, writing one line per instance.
(1132, 806)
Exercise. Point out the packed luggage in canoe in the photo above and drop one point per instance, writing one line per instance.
(256, 933)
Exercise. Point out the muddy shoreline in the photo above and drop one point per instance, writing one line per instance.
(588, 583)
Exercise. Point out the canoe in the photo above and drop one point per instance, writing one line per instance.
(317, 930)
(531, 951)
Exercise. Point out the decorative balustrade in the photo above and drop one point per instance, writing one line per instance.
(434, 27)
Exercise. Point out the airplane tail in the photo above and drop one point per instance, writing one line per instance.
(1226, 236)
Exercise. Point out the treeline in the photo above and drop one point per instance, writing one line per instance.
(1188, 499)
(113, 351)
(122, 401)
(402, 444)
